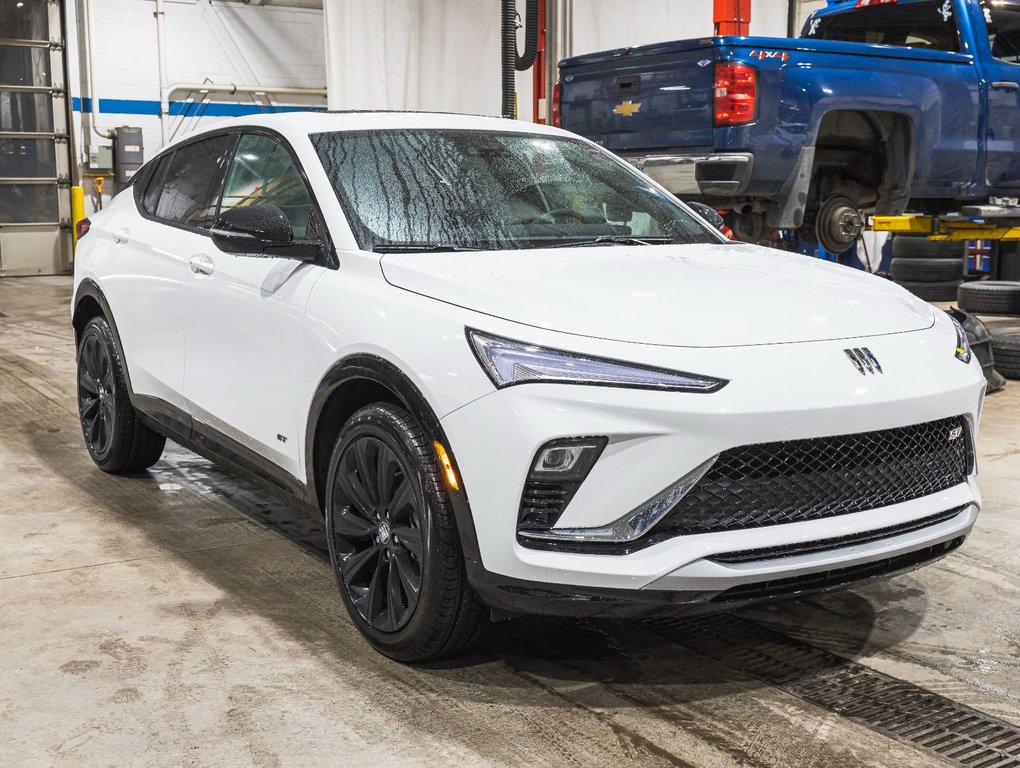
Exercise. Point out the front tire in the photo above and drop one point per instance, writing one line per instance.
(393, 540)
(116, 440)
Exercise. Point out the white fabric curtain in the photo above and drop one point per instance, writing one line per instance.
(444, 54)
(438, 55)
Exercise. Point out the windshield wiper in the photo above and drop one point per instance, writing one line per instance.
(610, 240)
(421, 247)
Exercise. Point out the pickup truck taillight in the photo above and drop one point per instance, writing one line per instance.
(555, 108)
(736, 93)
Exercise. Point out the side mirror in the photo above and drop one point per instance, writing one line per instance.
(260, 230)
(708, 213)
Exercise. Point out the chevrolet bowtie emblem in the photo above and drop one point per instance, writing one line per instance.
(627, 108)
(863, 360)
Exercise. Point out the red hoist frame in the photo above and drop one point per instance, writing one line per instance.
(538, 73)
(732, 17)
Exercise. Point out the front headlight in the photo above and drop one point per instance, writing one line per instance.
(963, 351)
(510, 362)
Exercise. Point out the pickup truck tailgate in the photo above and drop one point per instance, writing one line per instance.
(632, 100)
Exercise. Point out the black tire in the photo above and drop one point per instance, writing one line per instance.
(116, 439)
(990, 297)
(1006, 351)
(389, 519)
(944, 291)
(927, 270)
(915, 247)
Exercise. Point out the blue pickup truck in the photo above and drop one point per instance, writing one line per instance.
(880, 106)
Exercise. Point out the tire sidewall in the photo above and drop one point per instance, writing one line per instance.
(98, 328)
(380, 424)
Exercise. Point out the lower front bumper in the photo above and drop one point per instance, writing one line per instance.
(516, 596)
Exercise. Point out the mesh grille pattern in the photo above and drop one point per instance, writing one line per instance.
(797, 480)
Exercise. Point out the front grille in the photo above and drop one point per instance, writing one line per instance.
(797, 480)
(813, 582)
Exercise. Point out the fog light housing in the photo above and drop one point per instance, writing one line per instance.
(557, 471)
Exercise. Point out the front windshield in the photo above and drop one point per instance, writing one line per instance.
(448, 189)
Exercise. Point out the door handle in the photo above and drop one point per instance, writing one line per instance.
(1005, 85)
(201, 264)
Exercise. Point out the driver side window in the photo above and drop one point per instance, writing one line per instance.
(263, 173)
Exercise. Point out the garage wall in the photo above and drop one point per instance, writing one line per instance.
(444, 54)
(221, 42)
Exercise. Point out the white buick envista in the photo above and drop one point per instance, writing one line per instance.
(512, 374)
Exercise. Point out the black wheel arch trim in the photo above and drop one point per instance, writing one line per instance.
(379, 371)
(88, 289)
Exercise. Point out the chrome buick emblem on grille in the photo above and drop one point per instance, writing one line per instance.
(863, 360)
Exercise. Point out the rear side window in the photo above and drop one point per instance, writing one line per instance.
(928, 25)
(154, 185)
(1004, 32)
(191, 190)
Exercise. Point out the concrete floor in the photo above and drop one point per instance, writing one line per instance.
(184, 618)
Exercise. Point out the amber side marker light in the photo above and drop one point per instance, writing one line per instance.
(444, 460)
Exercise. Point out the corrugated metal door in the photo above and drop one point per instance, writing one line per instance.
(34, 149)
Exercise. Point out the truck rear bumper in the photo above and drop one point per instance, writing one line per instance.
(723, 174)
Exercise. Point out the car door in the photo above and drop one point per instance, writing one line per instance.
(1002, 71)
(244, 314)
(152, 237)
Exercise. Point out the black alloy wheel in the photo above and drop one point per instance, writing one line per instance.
(393, 539)
(377, 533)
(96, 393)
(117, 440)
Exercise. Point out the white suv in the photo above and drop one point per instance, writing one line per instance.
(514, 374)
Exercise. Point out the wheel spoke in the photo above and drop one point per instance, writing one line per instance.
(410, 539)
(351, 525)
(89, 407)
(356, 563)
(364, 465)
(402, 503)
(87, 381)
(394, 596)
(385, 472)
(410, 576)
(352, 487)
(374, 607)
(92, 428)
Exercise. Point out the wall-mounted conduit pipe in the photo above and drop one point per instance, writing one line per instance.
(512, 61)
(166, 91)
(105, 133)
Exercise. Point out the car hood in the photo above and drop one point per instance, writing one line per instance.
(672, 295)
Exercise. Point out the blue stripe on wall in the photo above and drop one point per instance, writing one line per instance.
(187, 109)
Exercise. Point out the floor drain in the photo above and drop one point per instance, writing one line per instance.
(894, 708)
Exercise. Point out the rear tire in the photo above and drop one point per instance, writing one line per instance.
(943, 291)
(925, 270)
(393, 540)
(1006, 351)
(116, 440)
(990, 297)
(915, 247)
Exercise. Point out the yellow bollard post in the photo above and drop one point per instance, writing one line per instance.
(77, 211)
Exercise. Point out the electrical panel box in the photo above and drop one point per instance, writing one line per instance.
(128, 153)
(100, 157)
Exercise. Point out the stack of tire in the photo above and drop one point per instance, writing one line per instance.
(997, 297)
(931, 270)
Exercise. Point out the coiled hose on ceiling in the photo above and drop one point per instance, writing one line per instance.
(512, 60)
